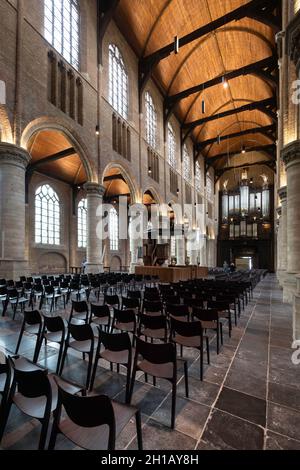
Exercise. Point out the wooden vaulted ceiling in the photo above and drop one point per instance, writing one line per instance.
(149, 25)
(44, 146)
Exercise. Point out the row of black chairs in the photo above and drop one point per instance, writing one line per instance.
(80, 418)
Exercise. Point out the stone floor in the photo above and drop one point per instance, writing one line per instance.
(249, 399)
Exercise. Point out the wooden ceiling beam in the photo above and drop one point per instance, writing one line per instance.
(268, 131)
(114, 177)
(266, 106)
(269, 163)
(255, 9)
(51, 158)
(268, 149)
(265, 65)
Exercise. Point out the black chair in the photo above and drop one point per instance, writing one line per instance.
(31, 392)
(124, 320)
(178, 310)
(5, 382)
(189, 335)
(117, 350)
(210, 321)
(92, 422)
(153, 327)
(128, 303)
(112, 300)
(153, 308)
(15, 299)
(100, 315)
(79, 312)
(4, 298)
(50, 293)
(80, 338)
(159, 361)
(34, 392)
(55, 331)
(33, 324)
(224, 311)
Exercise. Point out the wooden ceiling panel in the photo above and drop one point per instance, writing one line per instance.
(50, 142)
(150, 25)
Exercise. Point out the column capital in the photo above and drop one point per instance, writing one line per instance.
(279, 210)
(282, 193)
(290, 154)
(14, 155)
(94, 188)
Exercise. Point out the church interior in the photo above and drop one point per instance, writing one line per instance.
(149, 225)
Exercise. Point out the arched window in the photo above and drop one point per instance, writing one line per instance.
(151, 120)
(171, 147)
(47, 216)
(61, 28)
(118, 82)
(198, 177)
(113, 229)
(187, 170)
(81, 223)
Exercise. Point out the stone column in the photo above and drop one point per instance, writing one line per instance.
(291, 158)
(278, 242)
(13, 163)
(283, 233)
(136, 248)
(94, 247)
(180, 246)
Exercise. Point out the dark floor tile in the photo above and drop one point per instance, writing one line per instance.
(278, 442)
(146, 397)
(190, 416)
(227, 432)
(201, 392)
(283, 420)
(244, 406)
(285, 395)
(248, 377)
(159, 437)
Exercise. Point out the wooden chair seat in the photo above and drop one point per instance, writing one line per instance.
(81, 346)
(155, 334)
(163, 371)
(188, 341)
(117, 357)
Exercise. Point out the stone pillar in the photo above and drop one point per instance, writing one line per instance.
(282, 234)
(291, 158)
(180, 246)
(278, 241)
(136, 248)
(94, 247)
(13, 163)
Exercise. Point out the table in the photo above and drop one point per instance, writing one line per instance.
(173, 274)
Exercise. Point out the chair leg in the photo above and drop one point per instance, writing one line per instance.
(5, 411)
(63, 360)
(15, 310)
(94, 372)
(88, 378)
(44, 431)
(201, 362)
(61, 347)
(139, 430)
(221, 332)
(20, 338)
(186, 379)
(207, 350)
(173, 405)
(127, 398)
(229, 323)
(37, 349)
(132, 385)
(53, 436)
(218, 339)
